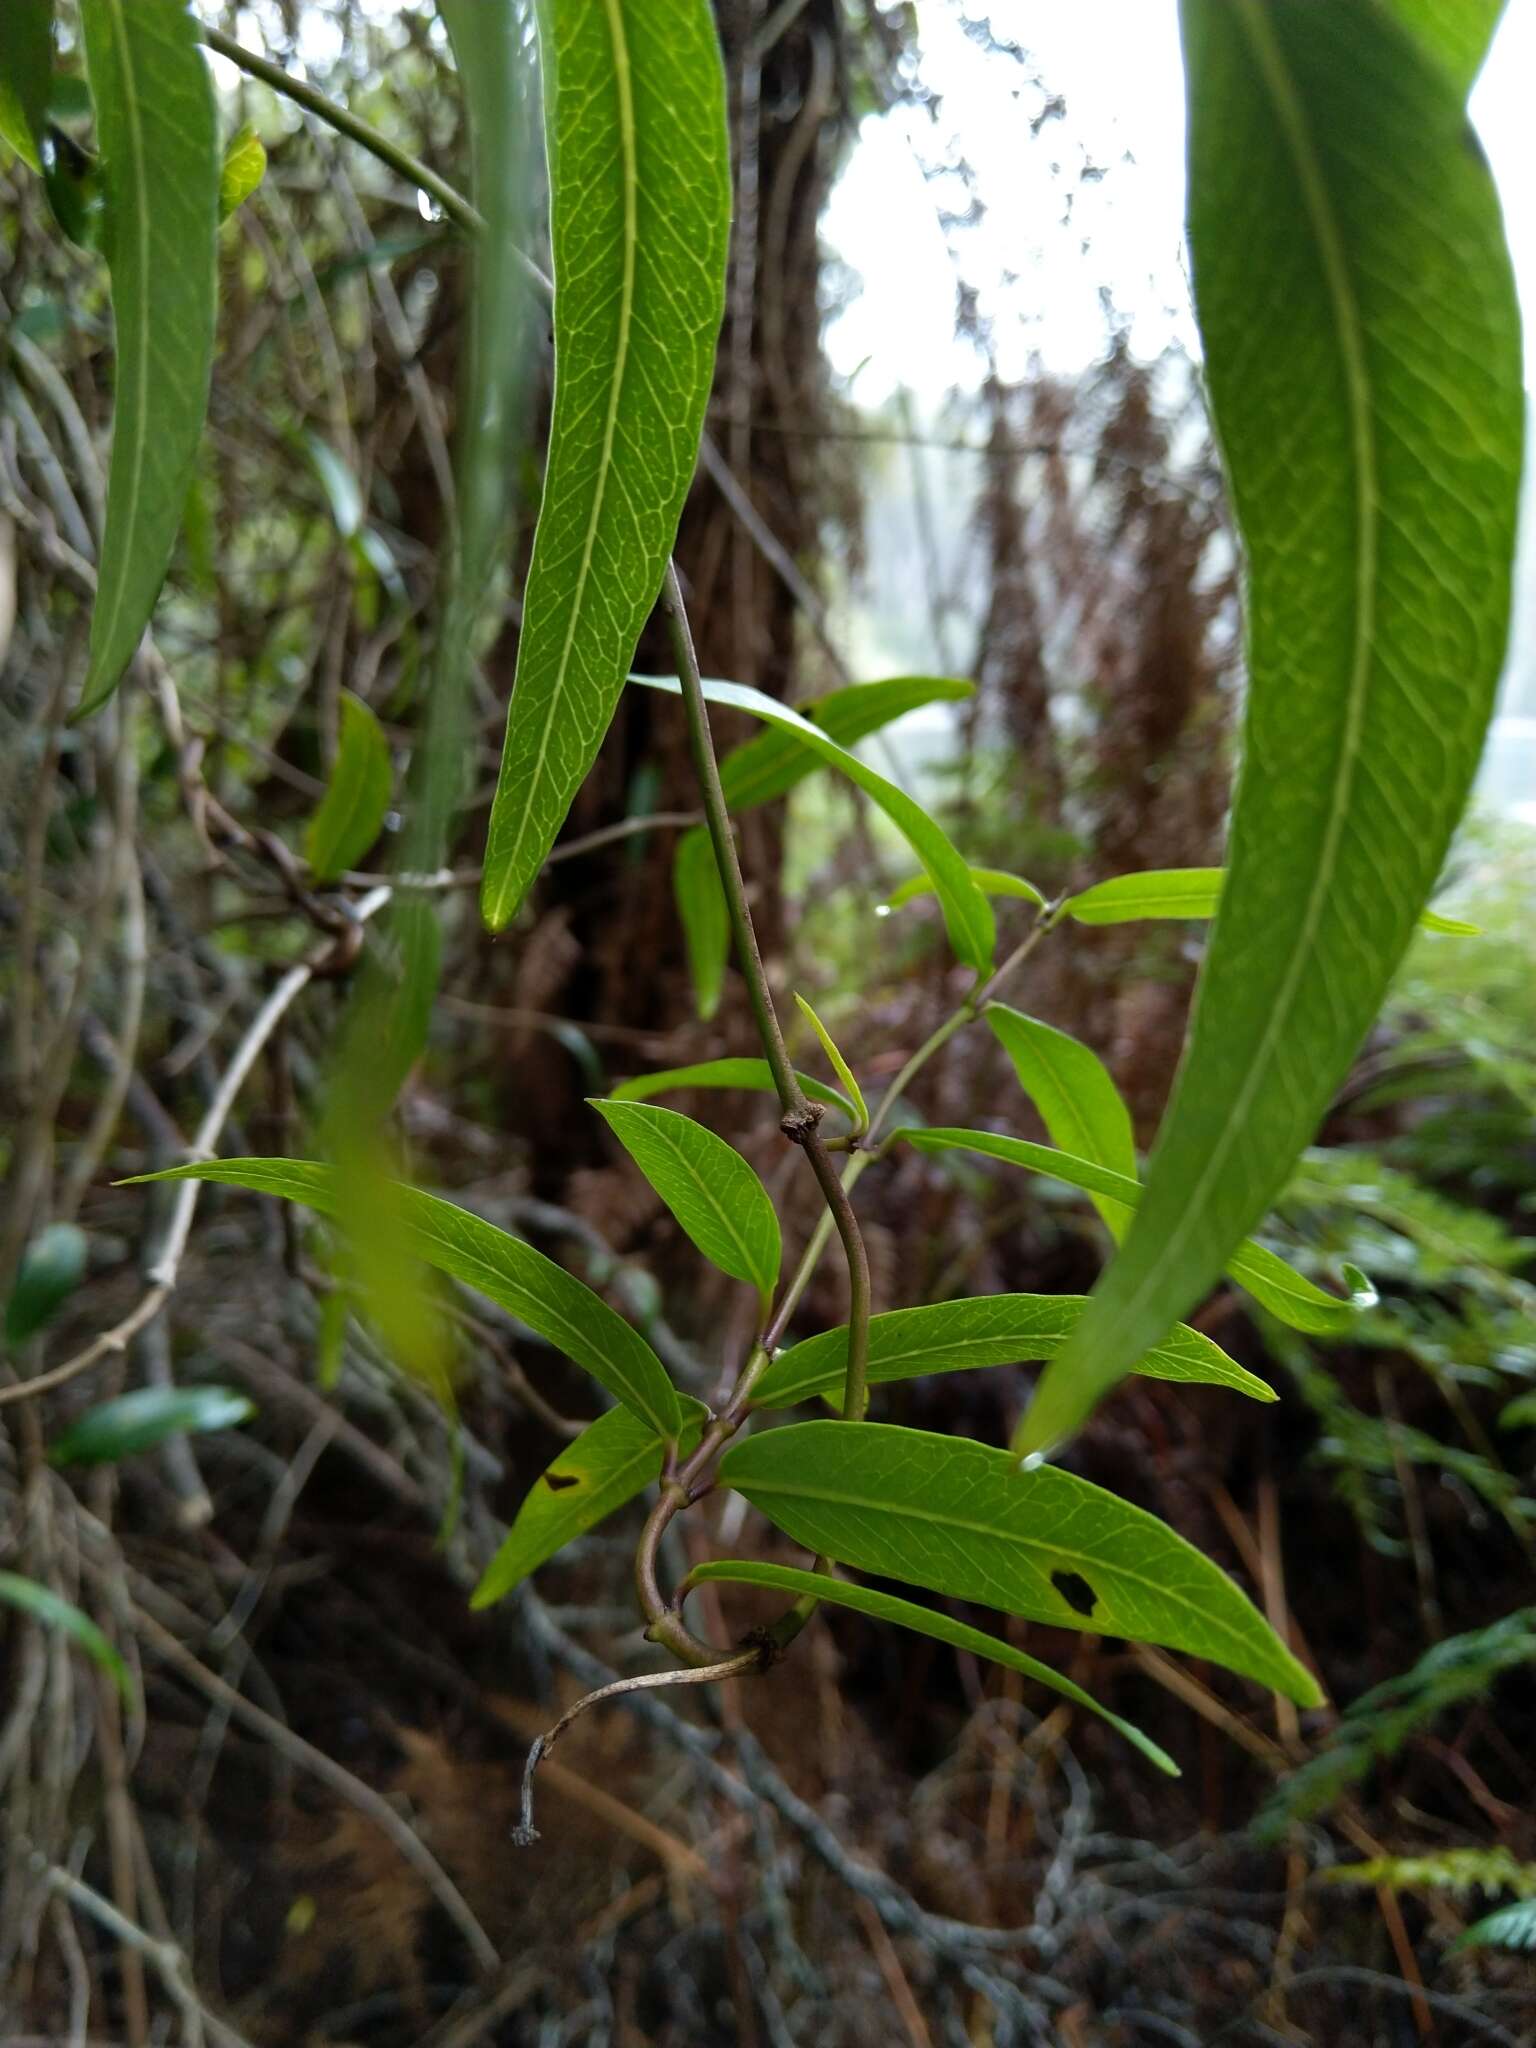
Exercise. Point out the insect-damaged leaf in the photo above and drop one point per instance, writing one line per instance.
(639, 173)
(1372, 431)
(961, 1518)
(612, 1460)
(159, 145)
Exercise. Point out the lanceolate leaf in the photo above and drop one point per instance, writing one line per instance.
(1372, 436)
(1286, 1293)
(967, 913)
(925, 1621)
(52, 1267)
(26, 75)
(706, 921)
(771, 764)
(634, 123)
(504, 1269)
(352, 811)
(840, 1066)
(46, 1607)
(990, 881)
(1187, 892)
(728, 1073)
(160, 158)
(608, 1464)
(708, 1186)
(994, 1329)
(961, 1518)
(140, 1420)
(1079, 1104)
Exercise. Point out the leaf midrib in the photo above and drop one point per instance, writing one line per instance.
(624, 89)
(1293, 124)
(712, 1202)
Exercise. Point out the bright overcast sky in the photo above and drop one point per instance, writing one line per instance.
(1116, 64)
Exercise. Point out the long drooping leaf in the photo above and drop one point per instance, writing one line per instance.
(146, 1417)
(960, 1518)
(708, 1186)
(26, 75)
(967, 913)
(158, 135)
(549, 1300)
(46, 1607)
(351, 813)
(1188, 892)
(706, 921)
(635, 130)
(1372, 432)
(728, 1073)
(608, 1464)
(994, 1329)
(1079, 1104)
(925, 1621)
(1281, 1289)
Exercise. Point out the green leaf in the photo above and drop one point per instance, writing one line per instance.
(994, 1329)
(1372, 437)
(1512, 1927)
(1190, 892)
(612, 1460)
(771, 764)
(961, 1518)
(1079, 1104)
(925, 1621)
(708, 1186)
(140, 1420)
(706, 921)
(243, 168)
(52, 1612)
(727, 1073)
(26, 75)
(356, 801)
(1286, 1293)
(840, 1066)
(159, 143)
(990, 881)
(1455, 32)
(967, 913)
(501, 1267)
(52, 1267)
(639, 173)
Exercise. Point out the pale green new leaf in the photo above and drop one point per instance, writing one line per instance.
(1192, 893)
(612, 1460)
(549, 1300)
(146, 1417)
(963, 1336)
(961, 1518)
(925, 1621)
(708, 1186)
(46, 1607)
(356, 800)
(26, 76)
(967, 913)
(706, 921)
(1362, 352)
(1287, 1294)
(1079, 1104)
(243, 168)
(158, 137)
(639, 173)
(726, 1073)
(990, 881)
(840, 1066)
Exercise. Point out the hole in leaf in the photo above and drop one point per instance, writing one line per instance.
(557, 1481)
(1076, 1591)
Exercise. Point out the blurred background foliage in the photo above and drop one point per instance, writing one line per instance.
(1060, 540)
